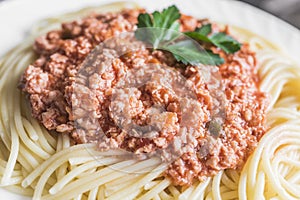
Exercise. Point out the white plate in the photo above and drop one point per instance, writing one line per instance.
(17, 16)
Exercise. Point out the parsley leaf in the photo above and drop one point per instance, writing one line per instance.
(161, 30)
(225, 42)
(154, 30)
(166, 18)
(144, 20)
(204, 30)
(198, 36)
(188, 53)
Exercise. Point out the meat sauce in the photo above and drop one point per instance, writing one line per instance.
(88, 101)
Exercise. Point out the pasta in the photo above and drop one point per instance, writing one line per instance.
(38, 163)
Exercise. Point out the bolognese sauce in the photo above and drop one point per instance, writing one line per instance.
(169, 114)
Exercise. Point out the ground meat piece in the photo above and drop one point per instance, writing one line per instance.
(49, 118)
(167, 107)
(36, 105)
(189, 23)
(57, 64)
(37, 80)
(48, 44)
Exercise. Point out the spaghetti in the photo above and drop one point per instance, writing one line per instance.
(35, 162)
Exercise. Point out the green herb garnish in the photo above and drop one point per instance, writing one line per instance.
(225, 42)
(158, 26)
(161, 30)
(187, 52)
